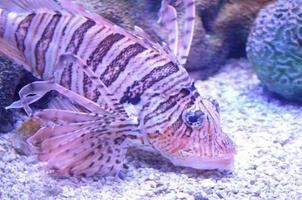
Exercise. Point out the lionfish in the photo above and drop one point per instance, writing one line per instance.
(117, 89)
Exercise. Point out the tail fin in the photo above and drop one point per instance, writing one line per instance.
(81, 144)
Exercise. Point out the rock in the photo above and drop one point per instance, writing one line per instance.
(233, 23)
(12, 78)
(10, 75)
(8, 157)
(207, 53)
(222, 29)
(6, 120)
(208, 183)
(26, 129)
(200, 196)
(274, 48)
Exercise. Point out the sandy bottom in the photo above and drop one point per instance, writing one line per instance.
(268, 164)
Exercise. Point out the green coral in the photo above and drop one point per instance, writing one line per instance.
(275, 48)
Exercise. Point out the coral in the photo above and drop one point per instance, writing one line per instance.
(275, 48)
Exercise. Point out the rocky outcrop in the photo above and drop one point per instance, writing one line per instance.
(10, 76)
(231, 21)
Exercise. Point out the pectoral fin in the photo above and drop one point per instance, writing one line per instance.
(82, 144)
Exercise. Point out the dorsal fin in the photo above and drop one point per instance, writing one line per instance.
(186, 38)
(79, 9)
(140, 34)
(168, 17)
(179, 41)
(29, 5)
(138, 31)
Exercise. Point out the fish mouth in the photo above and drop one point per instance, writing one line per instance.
(225, 162)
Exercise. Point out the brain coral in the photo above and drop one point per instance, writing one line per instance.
(275, 48)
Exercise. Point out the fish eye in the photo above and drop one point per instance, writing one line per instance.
(193, 118)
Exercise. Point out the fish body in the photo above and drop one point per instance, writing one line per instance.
(122, 89)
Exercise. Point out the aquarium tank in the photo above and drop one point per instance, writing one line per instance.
(150, 99)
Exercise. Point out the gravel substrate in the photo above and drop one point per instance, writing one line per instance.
(268, 164)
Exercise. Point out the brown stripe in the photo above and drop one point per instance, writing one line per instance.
(188, 132)
(66, 77)
(37, 23)
(180, 81)
(209, 138)
(165, 106)
(101, 50)
(142, 64)
(96, 95)
(87, 83)
(164, 121)
(3, 22)
(43, 43)
(78, 36)
(157, 74)
(152, 57)
(114, 69)
(176, 126)
(73, 47)
(22, 30)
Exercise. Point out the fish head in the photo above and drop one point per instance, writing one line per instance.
(196, 139)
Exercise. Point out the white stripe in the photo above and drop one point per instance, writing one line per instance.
(13, 21)
(51, 56)
(114, 51)
(89, 44)
(137, 72)
(72, 26)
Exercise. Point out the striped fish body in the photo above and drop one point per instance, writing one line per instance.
(127, 66)
(135, 72)
(141, 76)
